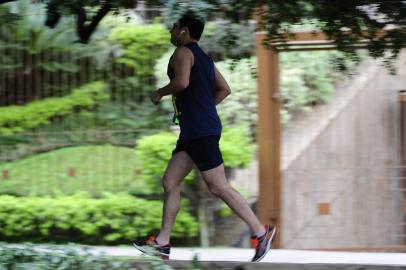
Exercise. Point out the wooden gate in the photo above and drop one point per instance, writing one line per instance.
(342, 190)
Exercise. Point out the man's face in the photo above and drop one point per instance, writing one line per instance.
(175, 33)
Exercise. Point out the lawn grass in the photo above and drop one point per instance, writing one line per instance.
(94, 169)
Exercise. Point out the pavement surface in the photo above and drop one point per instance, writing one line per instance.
(274, 256)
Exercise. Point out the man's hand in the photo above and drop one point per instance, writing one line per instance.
(155, 97)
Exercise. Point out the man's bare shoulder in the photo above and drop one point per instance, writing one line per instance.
(182, 51)
(180, 55)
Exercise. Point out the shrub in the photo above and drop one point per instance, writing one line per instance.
(141, 46)
(17, 119)
(236, 147)
(113, 219)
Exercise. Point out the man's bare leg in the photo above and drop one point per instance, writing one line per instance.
(218, 185)
(178, 167)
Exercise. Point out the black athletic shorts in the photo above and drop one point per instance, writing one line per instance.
(205, 152)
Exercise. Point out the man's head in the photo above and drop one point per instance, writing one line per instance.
(187, 29)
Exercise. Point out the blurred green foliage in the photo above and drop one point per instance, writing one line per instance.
(277, 18)
(141, 45)
(241, 106)
(92, 168)
(112, 219)
(228, 40)
(280, 18)
(15, 119)
(124, 53)
(34, 56)
(236, 147)
(307, 79)
(48, 257)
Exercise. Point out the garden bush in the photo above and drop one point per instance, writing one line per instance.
(17, 119)
(141, 46)
(113, 219)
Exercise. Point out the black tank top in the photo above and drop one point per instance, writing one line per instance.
(195, 107)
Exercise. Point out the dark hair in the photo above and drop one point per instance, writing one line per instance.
(193, 23)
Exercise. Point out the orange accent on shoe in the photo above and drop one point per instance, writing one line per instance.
(254, 242)
(152, 238)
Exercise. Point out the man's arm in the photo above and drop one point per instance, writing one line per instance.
(222, 88)
(182, 62)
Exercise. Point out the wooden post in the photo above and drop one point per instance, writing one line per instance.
(402, 99)
(268, 135)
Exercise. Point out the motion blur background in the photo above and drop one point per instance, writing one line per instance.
(82, 149)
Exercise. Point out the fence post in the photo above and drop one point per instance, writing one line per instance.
(268, 135)
(402, 103)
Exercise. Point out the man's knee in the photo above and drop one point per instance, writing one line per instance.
(169, 184)
(218, 189)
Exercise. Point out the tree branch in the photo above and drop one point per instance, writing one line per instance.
(6, 1)
(84, 30)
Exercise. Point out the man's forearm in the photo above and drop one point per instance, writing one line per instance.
(172, 88)
(220, 96)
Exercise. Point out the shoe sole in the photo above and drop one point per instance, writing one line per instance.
(268, 244)
(147, 252)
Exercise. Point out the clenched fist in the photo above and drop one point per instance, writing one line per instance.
(155, 97)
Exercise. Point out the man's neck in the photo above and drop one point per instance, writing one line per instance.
(183, 43)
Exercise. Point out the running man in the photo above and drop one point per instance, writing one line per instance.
(197, 87)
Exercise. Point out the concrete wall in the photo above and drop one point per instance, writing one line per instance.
(341, 190)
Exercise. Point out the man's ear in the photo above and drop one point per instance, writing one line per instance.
(184, 30)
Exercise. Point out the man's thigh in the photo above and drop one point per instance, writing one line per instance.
(215, 176)
(178, 167)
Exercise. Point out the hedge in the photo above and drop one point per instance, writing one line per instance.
(16, 119)
(113, 219)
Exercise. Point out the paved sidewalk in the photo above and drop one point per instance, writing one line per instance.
(274, 256)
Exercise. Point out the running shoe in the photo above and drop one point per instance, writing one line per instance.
(264, 243)
(151, 247)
